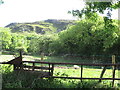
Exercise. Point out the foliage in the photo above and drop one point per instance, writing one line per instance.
(19, 41)
(31, 80)
(90, 36)
(1, 2)
(13, 41)
(41, 43)
(41, 27)
(5, 37)
(94, 7)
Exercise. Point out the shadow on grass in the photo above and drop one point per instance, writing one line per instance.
(32, 80)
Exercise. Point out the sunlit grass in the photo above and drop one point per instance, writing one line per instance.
(87, 72)
(6, 57)
(27, 80)
(22, 80)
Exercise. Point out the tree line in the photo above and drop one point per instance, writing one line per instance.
(91, 36)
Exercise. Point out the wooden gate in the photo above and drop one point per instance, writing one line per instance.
(49, 68)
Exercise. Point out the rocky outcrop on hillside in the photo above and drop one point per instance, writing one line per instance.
(61, 24)
(41, 27)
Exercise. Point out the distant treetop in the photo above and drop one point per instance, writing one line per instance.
(1, 2)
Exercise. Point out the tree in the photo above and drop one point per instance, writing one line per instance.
(109, 34)
(1, 2)
(90, 37)
(5, 38)
(42, 43)
(18, 41)
(94, 7)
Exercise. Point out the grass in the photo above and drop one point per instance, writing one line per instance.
(87, 72)
(31, 80)
(51, 59)
(6, 58)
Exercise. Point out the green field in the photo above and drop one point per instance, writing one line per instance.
(25, 80)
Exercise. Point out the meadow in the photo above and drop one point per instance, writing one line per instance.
(90, 34)
(13, 79)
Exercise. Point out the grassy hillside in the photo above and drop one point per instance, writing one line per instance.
(41, 27)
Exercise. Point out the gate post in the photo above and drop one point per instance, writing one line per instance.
(81, 72)
(114, 68)
(102, 73)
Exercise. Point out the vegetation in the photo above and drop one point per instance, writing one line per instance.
(95, 7)
(91, 35)
(31, 80)
(88, 36)
(41, 27)
(1, 2)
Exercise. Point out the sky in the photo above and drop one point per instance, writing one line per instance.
(36, 10)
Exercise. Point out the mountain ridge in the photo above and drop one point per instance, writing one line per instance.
(41, 27)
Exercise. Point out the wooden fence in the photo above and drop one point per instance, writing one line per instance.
(49, 69)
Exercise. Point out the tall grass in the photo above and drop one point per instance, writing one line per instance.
(29, 80)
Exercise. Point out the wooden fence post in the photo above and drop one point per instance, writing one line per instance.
(113, 60)
(42, 58)
(33, 66)
(113, 75)
(102, 73)
(52, 69)
(14, 67)
(49, 69)
(114, 68)
(81, 72)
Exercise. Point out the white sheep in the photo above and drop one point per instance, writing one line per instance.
(76, 66)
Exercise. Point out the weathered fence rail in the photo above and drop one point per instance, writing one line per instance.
(49, 69)
(81, 77)
(86, 64)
